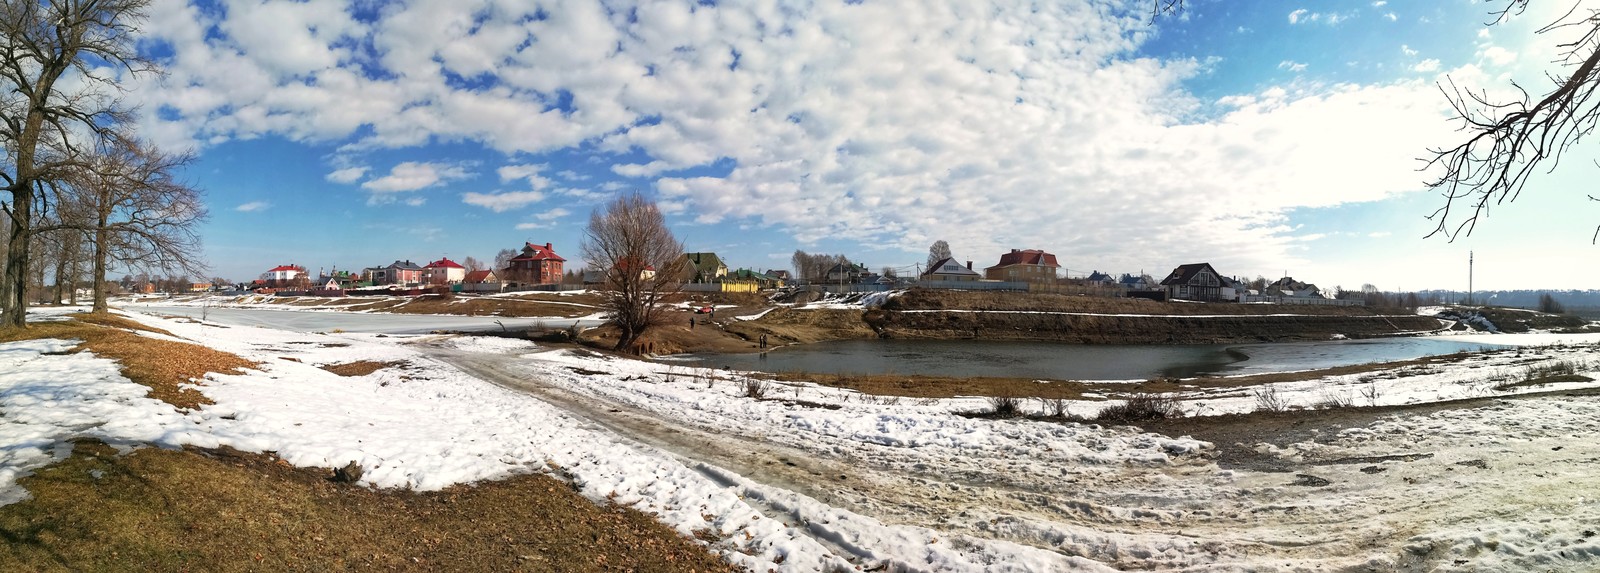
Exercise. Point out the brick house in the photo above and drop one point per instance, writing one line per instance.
(396, 273)
(536, 265)
(1024, 266)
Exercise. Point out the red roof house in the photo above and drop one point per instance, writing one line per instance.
(1024, 265)
(536, 265)
(443, 272)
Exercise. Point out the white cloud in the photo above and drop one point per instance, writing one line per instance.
(502, 202)
(830, 125)
(520, 171)
(347, 175)
(544, 220)
(1428, 65)
(1407, 50)
(1497, 56)
(1380, 4)
(253, 206)
(413, 175)
(1391, 16)
(1292, 66)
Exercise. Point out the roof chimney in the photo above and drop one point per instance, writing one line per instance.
(969, 265)
(547, 246)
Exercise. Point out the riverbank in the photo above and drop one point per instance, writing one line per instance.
(963, 315)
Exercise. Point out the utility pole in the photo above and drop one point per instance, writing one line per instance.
(1470, 292)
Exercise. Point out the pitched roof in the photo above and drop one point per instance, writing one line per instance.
(478, 276)
(404, 266)
(949, 266)
(1184, 273)
(1027, 257)
(532, 252)
(444, 263)
(1098, 276)
(704, 261)
(626, 263)
(286, 268)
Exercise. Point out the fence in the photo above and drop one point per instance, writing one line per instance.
(546, 288)
(1315, 301)
(974, 285)
(722, 287)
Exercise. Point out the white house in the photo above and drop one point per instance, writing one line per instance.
(948, 269)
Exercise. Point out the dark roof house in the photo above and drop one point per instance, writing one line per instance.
(1194, 281)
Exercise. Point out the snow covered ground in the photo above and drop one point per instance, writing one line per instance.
(813, 477)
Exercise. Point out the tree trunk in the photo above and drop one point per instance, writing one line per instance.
(100, 236)
(16, 279)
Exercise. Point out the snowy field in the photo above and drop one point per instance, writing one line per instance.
(811, 477)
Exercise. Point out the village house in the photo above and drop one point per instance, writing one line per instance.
(536, 265)
(481, 281)
(1026, 266)
(1289, 287)
(762, 280)
(948, 269)
(627, 264)
(1195, 281)
(1140, 282)
(1098, 278)
(443, 272)
(340, 280)
(704, 268)
(397, 273)
(285, 276)
(849, 273)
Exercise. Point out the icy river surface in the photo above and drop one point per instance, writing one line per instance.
(1074, 361)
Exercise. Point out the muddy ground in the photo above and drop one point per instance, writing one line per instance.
(1235, 435)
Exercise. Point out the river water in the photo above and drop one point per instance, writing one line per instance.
(1047, 360)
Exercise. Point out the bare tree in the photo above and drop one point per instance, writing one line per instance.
(1549, 304)
(629, 238)
(938, 251)
(54, 63)
(1507, 140)
(138, 215)
(502, 260)
(472, 264)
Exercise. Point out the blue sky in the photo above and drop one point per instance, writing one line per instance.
(1263, 137)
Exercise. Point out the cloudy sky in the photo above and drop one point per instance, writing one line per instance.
(1263, 137)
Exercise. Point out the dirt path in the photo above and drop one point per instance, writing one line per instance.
(1277, 492)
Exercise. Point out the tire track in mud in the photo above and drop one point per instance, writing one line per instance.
(893, 489)
(1193, 514)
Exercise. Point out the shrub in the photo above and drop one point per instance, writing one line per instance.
(755, 388)
(1005, 406)
(1331, 400)
(1269, 400)
(1054, 407)
(1140, 407)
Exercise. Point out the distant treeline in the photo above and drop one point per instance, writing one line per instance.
(1574, 300)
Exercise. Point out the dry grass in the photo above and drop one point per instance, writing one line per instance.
(221, 510)
(161, 365)
(359, 368)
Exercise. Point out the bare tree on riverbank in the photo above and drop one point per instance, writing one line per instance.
(136, 213)
(642, 261)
